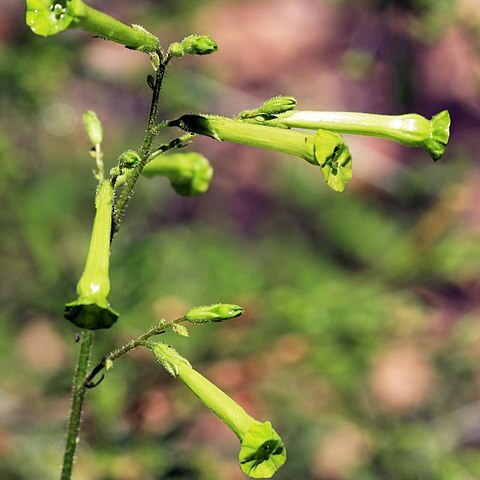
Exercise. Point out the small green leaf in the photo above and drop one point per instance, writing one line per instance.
(180, 330)
(108, 364)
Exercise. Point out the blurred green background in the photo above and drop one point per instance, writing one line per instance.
(361, 341)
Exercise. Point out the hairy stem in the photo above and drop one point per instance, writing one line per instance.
(156, 330)
(152, 130)
(78, 396)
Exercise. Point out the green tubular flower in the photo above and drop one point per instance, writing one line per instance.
(411, 129)
(262, 451)
(92, 310)
(48, 17)
(214, 313)
(325, 149)
(189, 173)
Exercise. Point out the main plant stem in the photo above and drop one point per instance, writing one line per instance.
(127, 191)
(78, 396)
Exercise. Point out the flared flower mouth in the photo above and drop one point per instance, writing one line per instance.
(48, 17)
(262, 452)
(439, 135)
(334, 158)
(90, 314)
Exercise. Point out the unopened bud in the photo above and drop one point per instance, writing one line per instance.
(193, 45)
(93, 126)
(214, 313)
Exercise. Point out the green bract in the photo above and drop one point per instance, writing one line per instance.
(214, 313)
(262, 451)
(411, 129)
(325, 149)
(92, 310)
(189, 173)
(48, 17)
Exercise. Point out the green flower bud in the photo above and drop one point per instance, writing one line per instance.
(411, 129)
(271, 108)
(93, 126)
(214, 313)
(48, 17)
(262, 451)
(325, 149)
(92, 310)
(193, 45)
(189, 173)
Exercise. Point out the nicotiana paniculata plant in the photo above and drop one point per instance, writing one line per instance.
(276, 125)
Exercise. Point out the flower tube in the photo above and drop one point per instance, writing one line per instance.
(411, 129)
(262, 451)
(189, 173)
(92, 310)
(48, 17)
(325, 149)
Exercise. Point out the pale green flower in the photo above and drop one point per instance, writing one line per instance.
(262, 451)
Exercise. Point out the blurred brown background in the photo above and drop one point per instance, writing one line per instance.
(361, 341)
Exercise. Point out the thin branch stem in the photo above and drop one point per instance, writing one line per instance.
(158, 329)
(78, 396)
(151, 132)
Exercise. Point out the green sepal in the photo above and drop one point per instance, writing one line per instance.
(439, 136)
(217, 312)
(262, 452)
(190, 173)
(168, 357)
(198, 124)
(90, 314)
(333, 156)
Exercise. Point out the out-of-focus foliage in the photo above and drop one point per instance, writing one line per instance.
(361, 338)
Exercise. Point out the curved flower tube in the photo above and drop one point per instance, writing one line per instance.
(325, 149)
(189, 173)
(48, 17)
(92, 310)
(262, 451)
(411, 129)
